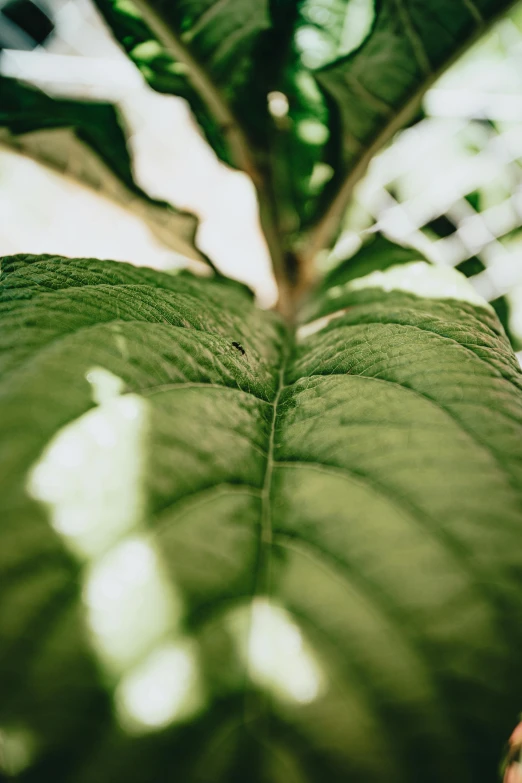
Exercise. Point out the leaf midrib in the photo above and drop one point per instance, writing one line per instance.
(262, 584)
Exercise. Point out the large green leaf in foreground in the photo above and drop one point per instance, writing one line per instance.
(231, 556)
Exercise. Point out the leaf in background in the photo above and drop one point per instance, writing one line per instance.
(256, 67)
(474, 266)
(377, 88)
(159, 68)
(376, 253)
(241, 59)
(199, 52)
(379, 253)
(86, 141)
(230, 555)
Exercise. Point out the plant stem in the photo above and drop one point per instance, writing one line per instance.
(204, 86)
(238, 142)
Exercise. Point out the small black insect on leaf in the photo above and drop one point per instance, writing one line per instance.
(239, 348)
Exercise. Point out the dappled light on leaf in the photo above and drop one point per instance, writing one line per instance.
(240, 545)
(313, 132)
(277, 656)
(89, 476)
(332, 29)
(163, 689)
(322, 553)
(130, 605)
(105, 385)
(91, 479)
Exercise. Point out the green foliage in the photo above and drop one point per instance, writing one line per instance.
(160, 69)
(352, 74)
(349, 75)
(87, 141)
(366, 477)
(237, 546)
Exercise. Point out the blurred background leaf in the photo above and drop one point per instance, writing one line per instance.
(86, 141)
(159, 68)
(258, 67)
(450, 186)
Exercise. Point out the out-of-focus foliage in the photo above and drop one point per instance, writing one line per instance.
(161, 70)
(298, 94)
(450, 185)
(314, 86)
(87, 141)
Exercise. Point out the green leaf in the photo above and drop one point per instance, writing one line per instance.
(302, 93)
(501, 305)
(196, 51)
(376, 253)
(379, 253)
(86, 140)
(233, 553)
(377, 88)
(231, 62)
(161, 70)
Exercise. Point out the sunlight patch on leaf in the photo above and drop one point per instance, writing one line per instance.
(313, 132)
(130, 605)
(91, 479)
(129, 8)
(332, 29)
(394, 502)
(89, 476)
(308, 87)
(147, 50)
(105, 385)
(276, 654)
(163, 689)
(321, 174)
(314, 47)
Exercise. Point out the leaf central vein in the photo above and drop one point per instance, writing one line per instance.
(265, 529)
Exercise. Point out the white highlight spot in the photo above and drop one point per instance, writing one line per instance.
(277, 104)
(336, 29)
(277, 656)
(105, 385)
(357, 24)
(321, 174)
(313, 132)
(90, 474)
(161, 690)
(129, 605)
(91, 478)
(148, 50)
(420, 278)
(315, 48)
